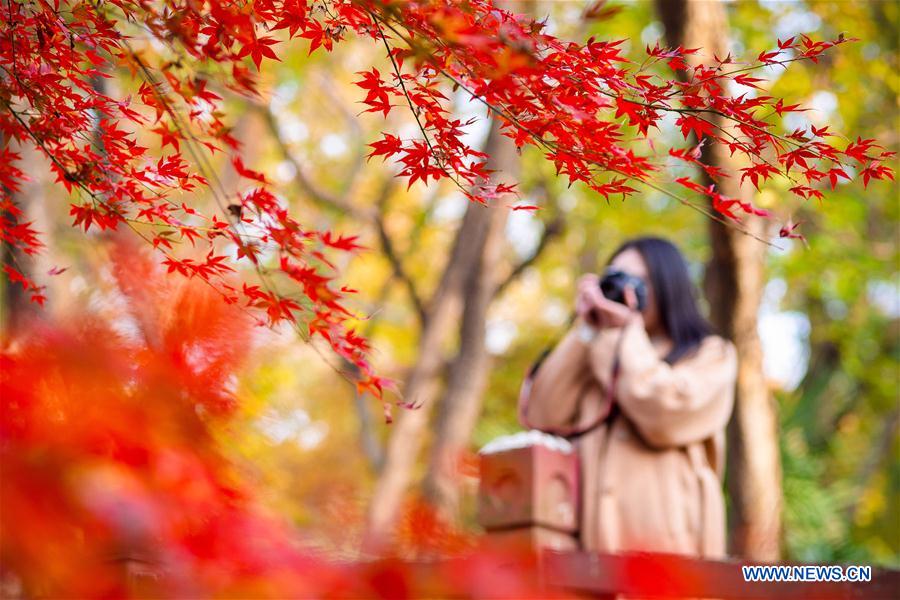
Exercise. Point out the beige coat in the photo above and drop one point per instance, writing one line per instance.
(651, 481)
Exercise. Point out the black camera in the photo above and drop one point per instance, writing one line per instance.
(614, 282)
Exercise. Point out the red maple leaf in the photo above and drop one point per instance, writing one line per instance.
(696, 125)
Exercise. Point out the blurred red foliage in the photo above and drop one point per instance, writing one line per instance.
(108, 455)
(107, 448)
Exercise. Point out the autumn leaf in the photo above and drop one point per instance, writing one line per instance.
(696, 125)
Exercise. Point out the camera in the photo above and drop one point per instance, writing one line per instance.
(614, 282)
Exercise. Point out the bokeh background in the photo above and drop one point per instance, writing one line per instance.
(829, 320)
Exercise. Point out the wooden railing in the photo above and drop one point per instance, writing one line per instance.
(582, 574)
(670, 576)
(528, 494)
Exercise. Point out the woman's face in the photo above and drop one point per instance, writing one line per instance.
(630, 261)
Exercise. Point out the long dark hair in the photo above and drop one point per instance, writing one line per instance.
(675, 296)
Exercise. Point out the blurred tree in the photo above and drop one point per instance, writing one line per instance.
(479, 228)
(734, 285)
(839, 423)
(468, 370)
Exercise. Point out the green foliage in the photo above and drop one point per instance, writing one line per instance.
(840, 469)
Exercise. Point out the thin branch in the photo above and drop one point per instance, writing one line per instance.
(390, 252)
(552, 230)
(318, 195)
(440, 163)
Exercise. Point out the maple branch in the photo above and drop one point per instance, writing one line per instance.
(399, 75)
(50, 155)
(94, 143)
(130, 223)
(396, 68)
(343, 205)
(712, 111)
(784, 172)
(750, 67)
(553, 146)
(184, 131)
(235, 224)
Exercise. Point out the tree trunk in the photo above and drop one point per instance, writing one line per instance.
(17, 305)
(467, 284)
(19, 310)
(423, 384)
(461, 403)
(734, 283)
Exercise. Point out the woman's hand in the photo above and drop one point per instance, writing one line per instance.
(597, 310)
(586, 297)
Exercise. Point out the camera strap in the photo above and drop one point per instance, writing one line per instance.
(611, 413)
(573, 433)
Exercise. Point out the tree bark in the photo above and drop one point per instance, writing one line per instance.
(17, 305)
(423, 384)
(19, 310)
(734, 283)
(462, 400)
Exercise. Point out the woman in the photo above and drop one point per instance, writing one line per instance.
(651, 391)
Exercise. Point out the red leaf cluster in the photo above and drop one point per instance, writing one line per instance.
(107, 451)
(583, 104)
(54, 59)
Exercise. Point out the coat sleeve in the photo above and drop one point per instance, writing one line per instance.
(671, 405)
(549, 397)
